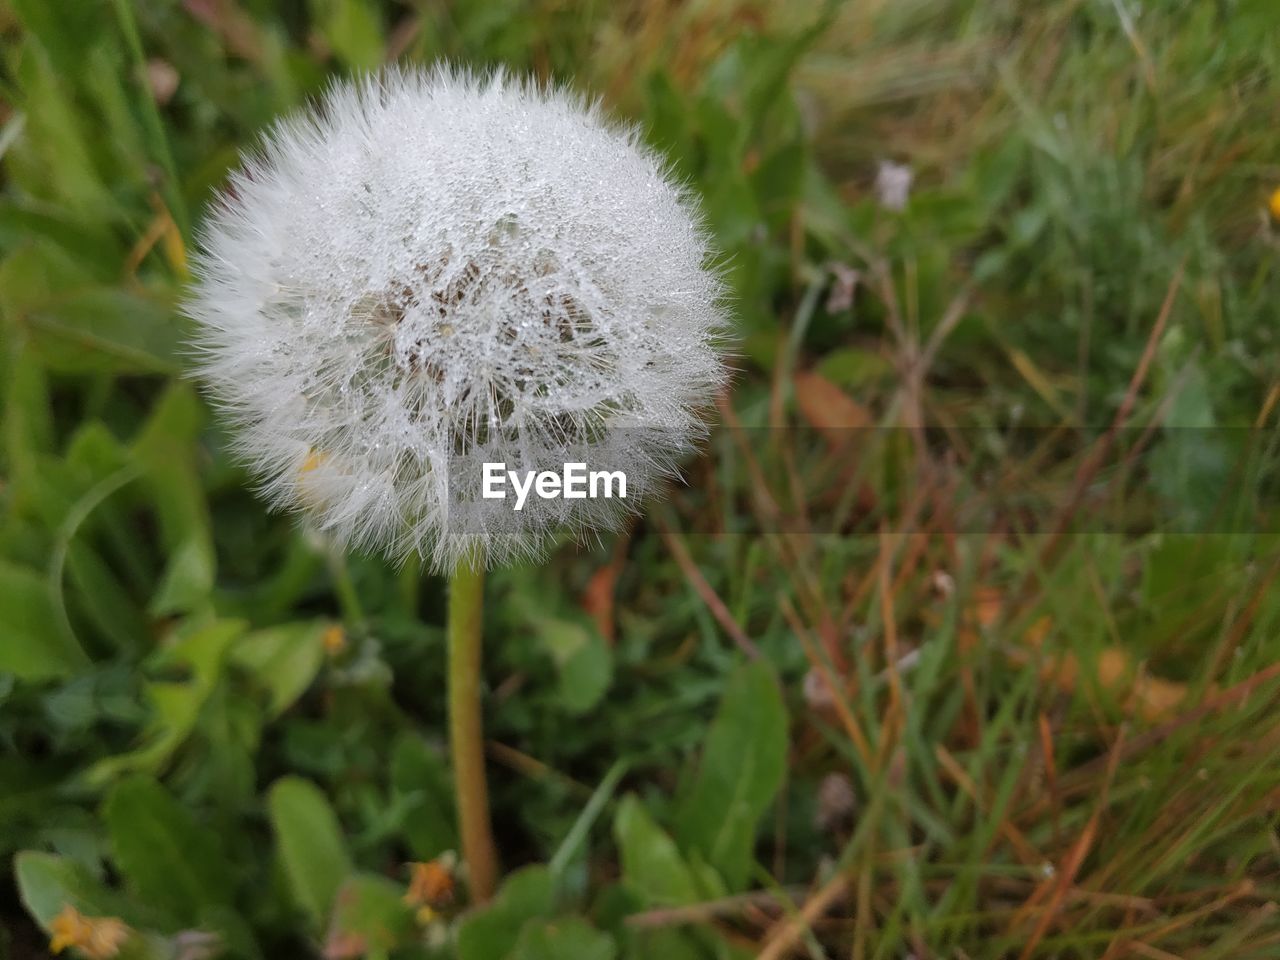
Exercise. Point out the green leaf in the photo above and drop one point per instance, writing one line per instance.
(283, 659)
(105, 599)
(32, 643)
(166, 446)
(232, 930)
(48, 883)
(105, 330)
(353, 29)
(28, 417)
(492, 933)
(651, 863)
(310, 843)
(176, 706)
(370, 910)
(743, 765)
(165, 857)
(667, 944)
(584, 662)
(1190, 468)
(421, 784)
(567, 939)
(187, 579)
(89, 244)
(778, 181)
(53, 160)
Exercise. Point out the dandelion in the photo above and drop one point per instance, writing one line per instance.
(1274, 204)
(436, 270)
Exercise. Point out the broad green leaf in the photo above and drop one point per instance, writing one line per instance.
(187, 580)
(492, 933)
(28, 419)
(165, 857)
(36, 273)
(1191, 467)
(66, 34)
(105, 599)
(421, 786)
(89, 244)
(33, 645)
(176, 706)
(667, 944)
(567, 939)
(232, 930)
(583, 659)
(778, 181)
(370, 911)
(53, 160)
(353, 29)
(283, 659)
(651, 864)
(310, 844)
(48, 883)
(105, 330)
(743, 765)
(166, 446)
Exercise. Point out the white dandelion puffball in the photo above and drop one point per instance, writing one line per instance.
(434, 271)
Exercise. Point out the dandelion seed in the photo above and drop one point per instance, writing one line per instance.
(836, 802)
(846, 283)
(893, 184)
(436, 270)
(817, 691)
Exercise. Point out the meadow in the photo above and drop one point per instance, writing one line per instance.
(960, 638)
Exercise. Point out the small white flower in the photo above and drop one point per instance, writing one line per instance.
(893, 184)
(436, 270)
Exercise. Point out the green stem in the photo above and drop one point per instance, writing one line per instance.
(466, 734)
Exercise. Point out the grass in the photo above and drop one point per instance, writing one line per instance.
(960, 641)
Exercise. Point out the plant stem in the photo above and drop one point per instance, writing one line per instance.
(466, 607)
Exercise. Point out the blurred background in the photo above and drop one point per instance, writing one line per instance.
(961, 640)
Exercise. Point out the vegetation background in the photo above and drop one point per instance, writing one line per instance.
(1049, 730)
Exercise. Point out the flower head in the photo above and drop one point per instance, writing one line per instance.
(98, 938)
(434, 271)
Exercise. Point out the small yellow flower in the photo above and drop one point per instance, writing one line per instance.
(97, 938)
(334, 640)
(431, 887)
(1275, 204)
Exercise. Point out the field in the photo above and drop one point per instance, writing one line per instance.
(960, 639)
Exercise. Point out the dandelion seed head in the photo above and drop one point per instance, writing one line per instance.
(434, 270)
(893, 184)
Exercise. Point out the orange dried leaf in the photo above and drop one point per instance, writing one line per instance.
(828, 408)
(597, 599)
